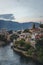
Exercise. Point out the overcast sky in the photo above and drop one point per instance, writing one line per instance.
(23, 10)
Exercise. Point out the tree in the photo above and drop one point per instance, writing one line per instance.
(10, 32)
(19, 32)
(22, 42)
(27, 46)
(14, 36)
(39, 44)
(2, 37)
(26, 30)
(39, 48)
(41, 25)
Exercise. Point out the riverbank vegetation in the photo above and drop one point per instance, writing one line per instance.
(27, 50)
(14, 36)
(3, 40)
(24, 48)
(39, 48)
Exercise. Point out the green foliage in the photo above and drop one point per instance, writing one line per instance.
(26, 30)
(30, 51)
(39, 48)
(22, 42)
(16, 43)
(14, 36)
(27, 46)
(19, 43)
(19, 32)
(40, 56)
(39, 44)
(41, 25)
(2, 37)
(10, 32)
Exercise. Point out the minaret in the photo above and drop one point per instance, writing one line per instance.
(33, 25)
(22, 30)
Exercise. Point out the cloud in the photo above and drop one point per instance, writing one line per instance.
(31, 19)
(7, 17)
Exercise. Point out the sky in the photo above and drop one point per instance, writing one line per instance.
(23, 10)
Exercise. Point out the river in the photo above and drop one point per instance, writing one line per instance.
(9, 57)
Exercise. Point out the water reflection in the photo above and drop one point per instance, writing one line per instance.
(8, 57)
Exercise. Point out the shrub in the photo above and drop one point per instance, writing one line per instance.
(27, 46)
(26, 30)
(14, 36)
(39, 44)
(39, 48)
(22, 42)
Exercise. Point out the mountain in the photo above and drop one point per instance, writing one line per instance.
(10, 25)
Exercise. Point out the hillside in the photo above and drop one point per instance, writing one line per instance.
(10, 25)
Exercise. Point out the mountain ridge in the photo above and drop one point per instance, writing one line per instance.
(10, 25)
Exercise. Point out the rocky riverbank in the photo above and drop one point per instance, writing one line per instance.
(21, 52)
(25, 54)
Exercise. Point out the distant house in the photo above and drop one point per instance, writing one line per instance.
(22, 36)
(39, 36)
(33, 37)
(41, 32)
(35, 30)
(4, 32)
